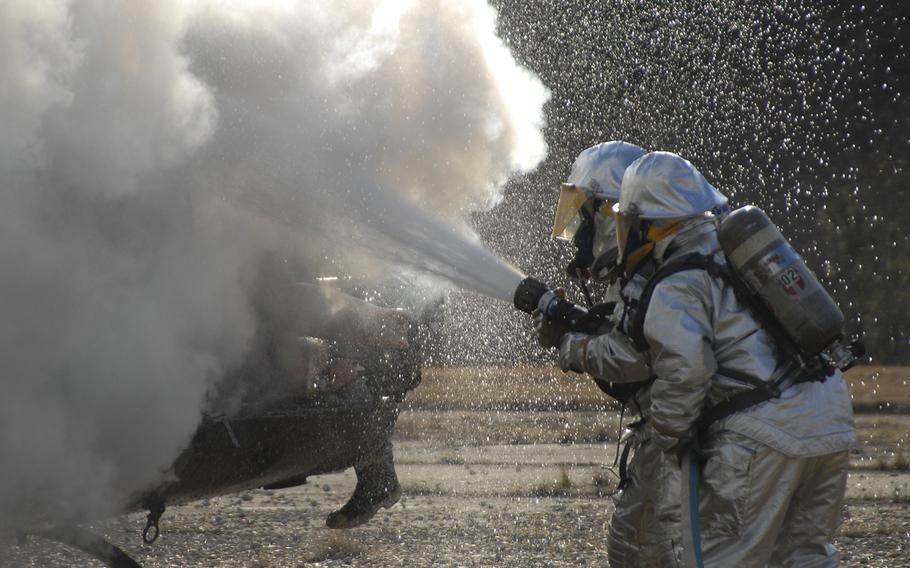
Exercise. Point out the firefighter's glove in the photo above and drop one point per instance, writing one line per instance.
(572, 350)
(548, 332)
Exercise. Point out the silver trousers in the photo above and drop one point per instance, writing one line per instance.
(759, 507)
(644, 530)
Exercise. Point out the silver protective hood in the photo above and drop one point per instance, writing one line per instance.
(600, 168)
(662, 185)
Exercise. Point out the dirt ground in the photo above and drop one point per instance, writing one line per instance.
(508, 483)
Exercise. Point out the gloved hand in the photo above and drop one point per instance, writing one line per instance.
(572, 351)
(549, 332)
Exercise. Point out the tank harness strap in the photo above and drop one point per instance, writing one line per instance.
(762, 391)
(736, 403)
(742, 377)
(687, 262)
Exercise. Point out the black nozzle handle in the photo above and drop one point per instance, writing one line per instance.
(529, 293)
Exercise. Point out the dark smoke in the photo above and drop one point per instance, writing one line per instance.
(158, 158)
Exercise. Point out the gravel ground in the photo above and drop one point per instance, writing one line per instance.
(535, 506)
(481, 488)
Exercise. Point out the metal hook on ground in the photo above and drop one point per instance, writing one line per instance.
(155, 505)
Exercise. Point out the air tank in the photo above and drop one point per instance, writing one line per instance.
(779, 277)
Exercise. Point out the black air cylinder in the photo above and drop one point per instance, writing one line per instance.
(780, 278)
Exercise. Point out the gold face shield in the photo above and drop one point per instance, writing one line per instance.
(568, 218)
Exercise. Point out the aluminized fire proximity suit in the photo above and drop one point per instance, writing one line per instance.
(644, 529)
(775, 475)
(772, 485)
(637, 538)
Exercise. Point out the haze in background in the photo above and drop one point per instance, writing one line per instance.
(154, 155)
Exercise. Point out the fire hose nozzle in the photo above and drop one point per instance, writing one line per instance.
(533, 294)
(528, 294)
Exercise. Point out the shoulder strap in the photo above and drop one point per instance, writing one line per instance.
(687, 262)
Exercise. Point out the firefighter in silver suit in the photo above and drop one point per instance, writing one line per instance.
(772, 474)
(643, 531)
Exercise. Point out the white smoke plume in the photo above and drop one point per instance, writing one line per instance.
(151, 153)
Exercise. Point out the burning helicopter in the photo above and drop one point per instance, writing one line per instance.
(318, 393)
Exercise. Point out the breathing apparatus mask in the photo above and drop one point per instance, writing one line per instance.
(636, 237)
(586, 219)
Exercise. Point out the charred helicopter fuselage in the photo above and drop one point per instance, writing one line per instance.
(280, 443)
(301, 410)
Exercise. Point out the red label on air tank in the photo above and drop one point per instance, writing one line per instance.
(792, 281)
